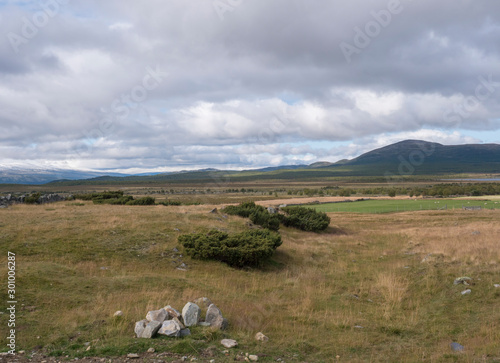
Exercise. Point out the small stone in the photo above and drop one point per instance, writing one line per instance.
(497, 285)
(151, 329)
(151, 350)
(466, 292)
(157, 315)
(185, 358)
(133, 356)
(118, 313)
(191, 314)
(204, 323)
(213, 210)
(253, 358)
(175, 249)
(456, 347)
(261, 337)
(229, 343)
(463, 280)
(185, 332)
(21, 352)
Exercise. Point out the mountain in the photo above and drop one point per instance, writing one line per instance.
(37, 175)
(410, 157)
(421, 157)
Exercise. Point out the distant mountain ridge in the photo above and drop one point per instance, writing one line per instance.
(402, 158)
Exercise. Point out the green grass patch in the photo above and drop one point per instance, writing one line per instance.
(403, 205)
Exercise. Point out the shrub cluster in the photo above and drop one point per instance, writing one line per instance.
(115, 198)
(32, 199)
(257, 214)
(305, 219)
(249, 248)
(170, 202)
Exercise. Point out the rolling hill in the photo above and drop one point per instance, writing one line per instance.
(410, 157)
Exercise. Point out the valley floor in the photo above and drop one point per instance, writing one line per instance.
(371, 288)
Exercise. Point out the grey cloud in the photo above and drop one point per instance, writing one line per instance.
(225, 78)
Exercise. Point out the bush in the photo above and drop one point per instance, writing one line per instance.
(249, 248)
(244, 209)
(115, 198)
(170, 202)
(116, 201)
(266, 220)
(305, 219)
(103, 195)
(32, 199)
(257, 214)
(142, 201)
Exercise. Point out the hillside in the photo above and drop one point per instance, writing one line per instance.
(410, 157)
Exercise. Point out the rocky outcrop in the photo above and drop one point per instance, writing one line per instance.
(170, 322)
(9, 199)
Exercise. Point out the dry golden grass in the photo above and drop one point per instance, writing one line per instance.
(359, 290)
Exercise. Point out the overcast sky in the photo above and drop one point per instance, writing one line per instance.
(186, 84)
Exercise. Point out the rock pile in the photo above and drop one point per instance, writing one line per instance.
(170, 322)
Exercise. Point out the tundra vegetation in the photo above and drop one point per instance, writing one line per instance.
(369, 287)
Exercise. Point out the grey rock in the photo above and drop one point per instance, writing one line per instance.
(157, 315)
(271, 210)
(215, 318)
(463, 280)
(497, 285)
(118, 313)
(185, 332)
(466, 292)
(174, 313)
(139, 327)
(191, 314)
(151, 350)
(253, 358)
(456, 347)
(261, 337)
(151, 329)
(133, 356)
(204, 323)
(170, 328)
(229, 343)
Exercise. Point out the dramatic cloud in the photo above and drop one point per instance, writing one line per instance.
(157, 85)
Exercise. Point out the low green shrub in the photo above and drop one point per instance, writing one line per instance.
(32, 199)
(170, 202)
(305, 219)
(257, 214)
(249, 248)
(142, 201)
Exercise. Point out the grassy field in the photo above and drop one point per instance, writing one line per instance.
(402, 205)
(371, 288)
